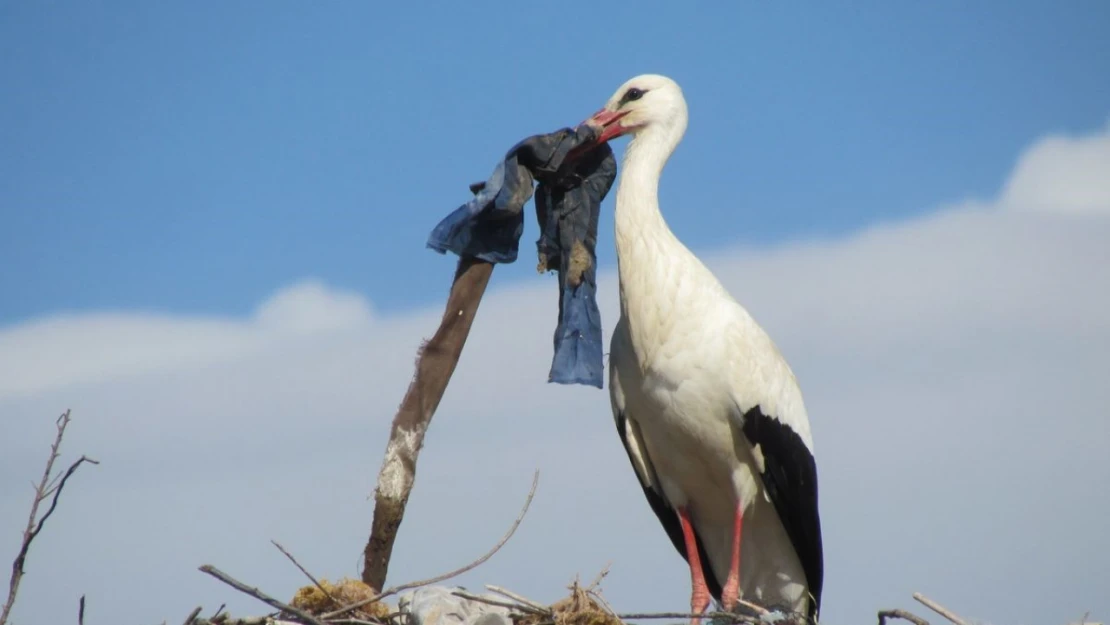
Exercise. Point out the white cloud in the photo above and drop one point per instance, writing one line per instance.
(953, 367)
(68, 349)
(1062, 174)
(310, 307)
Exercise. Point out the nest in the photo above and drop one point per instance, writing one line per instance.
(346, 591)
(577, 609)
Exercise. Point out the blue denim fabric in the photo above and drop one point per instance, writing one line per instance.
(568, 203)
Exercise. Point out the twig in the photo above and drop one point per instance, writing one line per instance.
(600, 576)
(43, 490)
(502, 604)
(596, 594)
(753, 607)
(193, 615)
(81, 611)
(246, 620)
(902, 614)
(518, 598)
(709, 615)
(735, 618)
(459, 571)
(217, 612)
(258, 594)
(434, 367)
(306, 573)
(594, 590)
(938, 608)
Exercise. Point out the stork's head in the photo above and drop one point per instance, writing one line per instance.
(645, 103)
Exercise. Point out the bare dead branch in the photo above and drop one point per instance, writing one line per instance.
(439, 578)
(938, 608)
(753, 607)
(306, 573)
(193, 615)
(46, 487)
(602, 601)
(708, 615)
(81, 611)
(434, 368)
(58, 492)
(600, 576)
(535, 605)
(729, 616)
(902, 614)
(258, 594)
(503, 604)
(224, 620)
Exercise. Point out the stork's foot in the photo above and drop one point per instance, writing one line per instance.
(730, 593)
(699, 601)
(699, 598)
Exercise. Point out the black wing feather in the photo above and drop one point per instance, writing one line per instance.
(790, 479)
(668, 517)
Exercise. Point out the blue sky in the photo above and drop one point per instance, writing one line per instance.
(193, 158)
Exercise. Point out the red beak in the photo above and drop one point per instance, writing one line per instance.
(608, 122)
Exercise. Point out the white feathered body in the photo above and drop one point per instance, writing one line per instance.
(686, 362)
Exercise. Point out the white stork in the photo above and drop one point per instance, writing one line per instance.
(707, 408)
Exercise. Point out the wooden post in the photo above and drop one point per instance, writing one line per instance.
(434, 367)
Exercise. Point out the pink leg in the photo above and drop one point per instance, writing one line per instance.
(699, 598)
(731, 591)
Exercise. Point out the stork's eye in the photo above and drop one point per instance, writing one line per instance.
(632, 95)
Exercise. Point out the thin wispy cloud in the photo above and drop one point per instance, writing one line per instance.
(952, 366)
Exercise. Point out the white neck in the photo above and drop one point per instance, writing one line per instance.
(637, 213)
(649, 256)
(642, 236)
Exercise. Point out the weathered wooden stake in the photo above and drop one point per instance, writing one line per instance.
(434, 367)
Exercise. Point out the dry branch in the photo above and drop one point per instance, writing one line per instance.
(303, 570)
(193, 615)
(902, 614)
(224, 620)
(501, 604)
(600, 576)
(569, 609)
(456, 572)
(535, 605)
(938, 608)
(47, 487)
(258, 594)
(731, 617)
(434, 367)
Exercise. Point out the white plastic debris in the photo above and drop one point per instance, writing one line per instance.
(773, 616)
(435, 605)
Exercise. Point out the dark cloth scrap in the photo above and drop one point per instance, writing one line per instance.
(574, 177)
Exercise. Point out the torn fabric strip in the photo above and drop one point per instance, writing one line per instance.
(568, 204)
